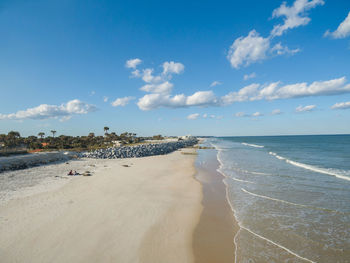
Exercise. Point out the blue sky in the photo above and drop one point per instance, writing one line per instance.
(203, 68)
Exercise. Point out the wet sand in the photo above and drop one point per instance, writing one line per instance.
(214, 235)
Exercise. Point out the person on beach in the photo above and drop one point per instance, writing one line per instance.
(70, 172)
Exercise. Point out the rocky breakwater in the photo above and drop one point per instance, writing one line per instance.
(140, 150)
(17, 162)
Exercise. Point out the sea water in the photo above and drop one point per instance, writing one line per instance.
(290, 196)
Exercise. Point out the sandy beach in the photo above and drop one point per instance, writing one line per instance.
(129, 210)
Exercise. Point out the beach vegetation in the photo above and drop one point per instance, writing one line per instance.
(13, 142)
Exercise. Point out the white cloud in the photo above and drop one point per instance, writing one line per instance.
(276, 112)
(305, 108)
(293, 16)
(243, 94)
(215, 83)
(342, 31)
(65, 118)
(172, 67)
(147, 76)
(278, 49)
(240, 114)
(201, 98)
(105, 98)
(341, 105)
(249, 76)
(249, 49)
(45, 111)
(158, 100)
(193, 116)
(133, 63)
(204, 116)
(164, 87)
(275, 91)
(254, 48)
(257, 114)
(159, 88)
(121, 102)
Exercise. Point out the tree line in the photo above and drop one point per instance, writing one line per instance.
(13, 139)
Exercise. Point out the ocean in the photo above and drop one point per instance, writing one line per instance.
(290, 196)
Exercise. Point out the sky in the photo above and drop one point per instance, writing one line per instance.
(222, 68)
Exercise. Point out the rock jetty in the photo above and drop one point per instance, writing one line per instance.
(17, 162)
(140, 150)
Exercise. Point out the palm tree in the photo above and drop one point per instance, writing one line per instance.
(41, 134)
(106, 129)
(53, 133)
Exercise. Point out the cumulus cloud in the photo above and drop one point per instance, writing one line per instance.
(255, 48)
(159, 89)
(278, 49)
(158, 100)
(105, 98)
(121, 102)
(133, 63)
(173, 67)
(275, 90)
(249, 76)
(215, 83)
(201, 98)
(293, 16)
(342, 31)
(305, 108)
(341, 105)
(249, 49)
(45, 111)
(193, 116)
(164, 87)
(276, 112)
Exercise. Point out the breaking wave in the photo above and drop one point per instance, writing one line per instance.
(252, 145)
(332, 172)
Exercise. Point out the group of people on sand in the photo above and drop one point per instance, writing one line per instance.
(73, 173)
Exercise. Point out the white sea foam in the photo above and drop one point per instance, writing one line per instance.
(242, 227)
(252, 145)
(278, 245)
(252, 172)
(240, 223)
(250, 231)
(313, 168)
(240, 180)
(290, 203)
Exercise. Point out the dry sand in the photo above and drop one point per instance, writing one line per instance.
(146, 212)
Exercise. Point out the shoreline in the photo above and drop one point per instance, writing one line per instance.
(217, 227)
